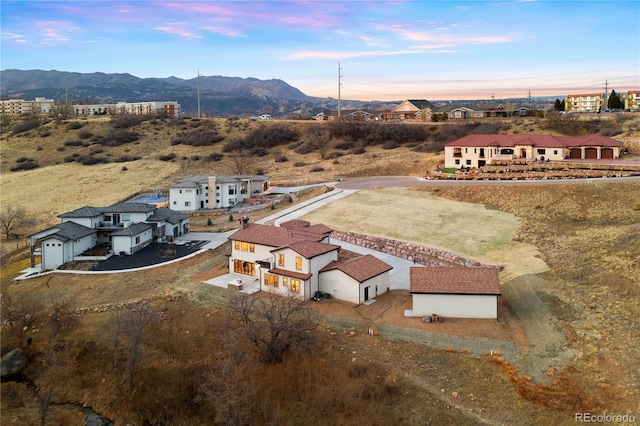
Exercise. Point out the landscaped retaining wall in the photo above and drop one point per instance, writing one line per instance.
(416, 253)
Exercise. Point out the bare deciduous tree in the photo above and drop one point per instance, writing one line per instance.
(275, 324)
(13, 218)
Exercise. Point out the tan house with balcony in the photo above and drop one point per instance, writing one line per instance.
(480, 150)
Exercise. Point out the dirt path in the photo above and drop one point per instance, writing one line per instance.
(549, 347)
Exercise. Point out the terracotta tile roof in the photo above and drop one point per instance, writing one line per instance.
(320, 228)
(291, 274)
(541, 141)
(310, 249)
(461, 280)
(359, 268)
(267, 235)
(295, 223)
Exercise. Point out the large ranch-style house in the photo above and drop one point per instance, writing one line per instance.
(480, 150)
(125, 227)
(214, 192)
(296, 258)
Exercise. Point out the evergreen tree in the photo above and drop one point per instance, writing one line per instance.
(614, 101)
(557, 106)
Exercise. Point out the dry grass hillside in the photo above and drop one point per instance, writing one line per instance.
(160, 347)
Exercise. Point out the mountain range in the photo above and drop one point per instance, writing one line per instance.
(219, 96)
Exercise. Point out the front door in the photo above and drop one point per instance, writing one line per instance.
(366, 294)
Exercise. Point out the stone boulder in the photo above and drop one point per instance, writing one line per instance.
(13, 363)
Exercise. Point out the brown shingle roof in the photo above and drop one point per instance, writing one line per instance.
(360, 268)
(445, 280)
(310, 249)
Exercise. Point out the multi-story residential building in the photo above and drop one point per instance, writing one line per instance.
(125, 227)
(169, 108)
(21, 106)
(214, 192)
(296, 258)
(632, 100)
(589, 102)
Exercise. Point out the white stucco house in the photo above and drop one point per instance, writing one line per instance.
(298, 258)
(124, 227)
(214, 191)
(480, 150)
(355, 280)
(456, 292)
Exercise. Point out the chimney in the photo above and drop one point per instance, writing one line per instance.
(244, 222)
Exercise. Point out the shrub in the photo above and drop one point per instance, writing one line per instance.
(69, 159)
(214, 157)
(89, 160)
(118, 137)
(126, 158)
(74, 125)
(199, 137)
(316, 169)
(61, 148)
(358, 150)
(345, 145)
(84, 134)
(28, 124)
(281, 158)
(195, 157)
(125, 121)
(390, 145)
(23, 159)
(299, 164)
(167, 157)
(27, 164)
(73, 143)
(45, 133)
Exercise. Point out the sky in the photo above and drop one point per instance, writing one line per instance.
(355, 49)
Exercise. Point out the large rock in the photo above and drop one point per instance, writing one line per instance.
(13, 363)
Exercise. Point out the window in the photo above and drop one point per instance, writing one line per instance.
(187, 203)
(457, 152)
(236, 245)
(555, 152)
(138, 240)
(468, 162)
(541, 151)
(245, 246)
(188, 191)
(252, 247)
(180, 191)
(271, 280)
(294, 285)
(232, 190)
(243, 267)
(281, 260)
(457, 161)
(126, 217)
(284, 281)
(298, 263)
(175, 202)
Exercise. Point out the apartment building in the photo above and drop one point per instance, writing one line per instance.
(632, 100)
(589, 102)
(21, 106)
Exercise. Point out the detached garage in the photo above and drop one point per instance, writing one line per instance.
(455, 292)
(132, 238)
(355, 280)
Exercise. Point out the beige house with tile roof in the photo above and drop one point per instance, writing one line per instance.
(297, 258)
(479, 150)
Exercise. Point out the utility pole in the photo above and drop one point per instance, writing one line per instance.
(198, 82)
(339, 86)
(493, 97)
(606, 94)
(529, 98)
